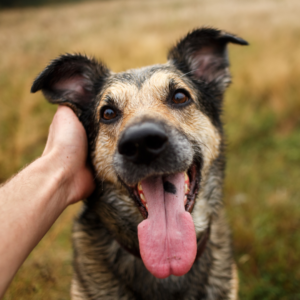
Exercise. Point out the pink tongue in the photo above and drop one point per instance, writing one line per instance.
(167, 237)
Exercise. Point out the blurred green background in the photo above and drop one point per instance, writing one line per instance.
(261, 116)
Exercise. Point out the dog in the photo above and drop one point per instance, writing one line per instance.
(154, 227)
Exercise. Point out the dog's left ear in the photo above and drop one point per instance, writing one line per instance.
(202, 54)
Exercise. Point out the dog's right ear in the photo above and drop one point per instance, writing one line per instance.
(72, 80)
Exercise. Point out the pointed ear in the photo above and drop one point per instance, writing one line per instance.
(72, 80)
(203, 53)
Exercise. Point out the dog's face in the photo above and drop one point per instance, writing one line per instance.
(157, 131)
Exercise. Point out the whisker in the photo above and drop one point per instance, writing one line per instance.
(188, 73)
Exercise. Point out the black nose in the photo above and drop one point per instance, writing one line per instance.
(142, 143)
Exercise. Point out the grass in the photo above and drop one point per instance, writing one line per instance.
(261, 113)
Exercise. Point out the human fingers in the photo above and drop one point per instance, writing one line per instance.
(66, 133)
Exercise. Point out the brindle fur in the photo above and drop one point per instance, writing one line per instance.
(105, 233)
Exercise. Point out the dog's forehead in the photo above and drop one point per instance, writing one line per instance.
(139, 76)
(144, 83)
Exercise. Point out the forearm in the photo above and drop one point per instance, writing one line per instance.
(32, 200)
(29, 204)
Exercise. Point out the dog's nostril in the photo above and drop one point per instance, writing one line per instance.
(128, 149)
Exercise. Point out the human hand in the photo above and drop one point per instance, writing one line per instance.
(67, 148)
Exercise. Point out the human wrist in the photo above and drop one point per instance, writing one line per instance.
(59, 177)
(74, 180)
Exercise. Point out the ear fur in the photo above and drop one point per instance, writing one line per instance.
(71, 79)
(203, 54)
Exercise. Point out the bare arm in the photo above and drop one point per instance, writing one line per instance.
(32, 200)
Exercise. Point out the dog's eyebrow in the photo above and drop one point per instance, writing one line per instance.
(109, 101)
(177, 84)
(172, 85)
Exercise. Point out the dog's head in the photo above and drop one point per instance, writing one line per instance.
(156, 130)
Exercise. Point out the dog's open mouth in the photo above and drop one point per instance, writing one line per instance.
(167, 236)
(191, 187)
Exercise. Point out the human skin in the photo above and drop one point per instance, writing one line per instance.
(32, 200)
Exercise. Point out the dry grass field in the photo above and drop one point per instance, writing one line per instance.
(261, 112)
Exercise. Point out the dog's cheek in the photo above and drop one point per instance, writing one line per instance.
(201, 213)
(102, 157)
(208, 139)
(200, 129)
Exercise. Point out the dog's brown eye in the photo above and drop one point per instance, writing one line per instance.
(180, 98)
(108, 113)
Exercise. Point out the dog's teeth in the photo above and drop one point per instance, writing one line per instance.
(142, 196)
(186, 183)
(186, 177)
(140, 187)
(186, 189)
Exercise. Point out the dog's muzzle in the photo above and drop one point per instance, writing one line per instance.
(151, 148)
